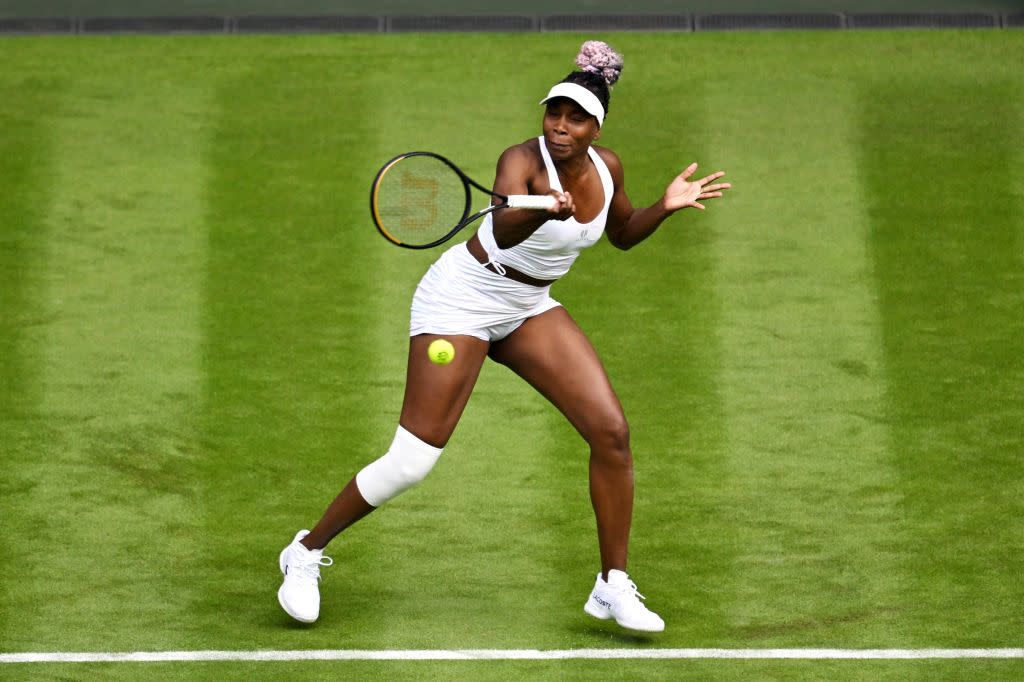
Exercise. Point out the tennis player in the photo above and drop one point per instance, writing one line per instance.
(491, 298)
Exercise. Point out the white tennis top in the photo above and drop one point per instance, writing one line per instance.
(549, 252)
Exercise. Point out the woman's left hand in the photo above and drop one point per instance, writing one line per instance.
(682, 193)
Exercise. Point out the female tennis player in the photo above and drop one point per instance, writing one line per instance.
(490, 297)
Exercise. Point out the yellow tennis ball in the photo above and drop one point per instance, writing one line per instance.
(441, 351)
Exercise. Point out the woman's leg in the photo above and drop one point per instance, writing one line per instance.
(553, 354)
(435, 397)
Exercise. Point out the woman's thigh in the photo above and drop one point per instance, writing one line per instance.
(553, 355)
(436, 395)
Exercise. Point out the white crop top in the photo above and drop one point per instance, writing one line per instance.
(549, 252)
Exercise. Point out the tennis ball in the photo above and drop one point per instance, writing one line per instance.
(441, 351)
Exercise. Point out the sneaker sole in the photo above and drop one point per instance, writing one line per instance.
(280, 600)
(638, 628)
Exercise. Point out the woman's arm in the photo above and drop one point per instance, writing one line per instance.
(628, 226)
(516, 174)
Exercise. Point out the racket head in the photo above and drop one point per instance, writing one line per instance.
(419, 200)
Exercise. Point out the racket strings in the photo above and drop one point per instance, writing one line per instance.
(419, 199)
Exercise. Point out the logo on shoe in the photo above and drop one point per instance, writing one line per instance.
(602, 602)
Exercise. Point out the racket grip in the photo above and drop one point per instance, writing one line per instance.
(537, 201)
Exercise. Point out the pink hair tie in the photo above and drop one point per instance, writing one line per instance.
(598, 57)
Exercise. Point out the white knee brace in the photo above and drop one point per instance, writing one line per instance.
(405, 464)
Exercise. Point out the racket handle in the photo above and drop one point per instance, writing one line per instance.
(537, 201)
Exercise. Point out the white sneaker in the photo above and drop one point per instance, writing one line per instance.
(299, 594)
(619, 599)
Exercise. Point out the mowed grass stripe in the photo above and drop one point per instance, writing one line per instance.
(117, 350)
(28, 100)
(815, 495)
(289, 304)
(950, 281)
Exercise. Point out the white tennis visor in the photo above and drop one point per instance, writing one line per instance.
(579, 94)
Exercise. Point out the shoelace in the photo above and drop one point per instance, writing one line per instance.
(311, 569)
(630, 589)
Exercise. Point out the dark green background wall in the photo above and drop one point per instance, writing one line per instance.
(95, 8)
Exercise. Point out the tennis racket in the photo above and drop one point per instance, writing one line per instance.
(421, 199)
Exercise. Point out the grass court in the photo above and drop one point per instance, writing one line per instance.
(202, 338)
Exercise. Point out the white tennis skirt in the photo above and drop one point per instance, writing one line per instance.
(458, 295)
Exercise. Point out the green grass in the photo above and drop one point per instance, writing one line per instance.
(202, 338)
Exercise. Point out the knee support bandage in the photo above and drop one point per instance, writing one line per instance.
(405, 464)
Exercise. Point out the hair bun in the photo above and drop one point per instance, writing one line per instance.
(598, 57)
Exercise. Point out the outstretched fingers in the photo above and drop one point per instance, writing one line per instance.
(690, 170)
(710, 178)
(684, 192)
(709, 191)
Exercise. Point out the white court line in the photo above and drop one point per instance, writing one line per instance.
(504, 655)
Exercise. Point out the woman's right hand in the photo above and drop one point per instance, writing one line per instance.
(564, 208)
